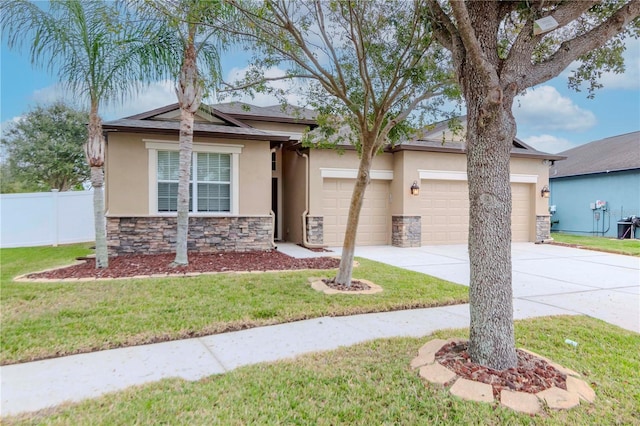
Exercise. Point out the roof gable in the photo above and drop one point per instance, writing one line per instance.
(611, 154)
(205, 114)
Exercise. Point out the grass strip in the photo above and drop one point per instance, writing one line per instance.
(42, 320)
(628, 247)
(371, 384)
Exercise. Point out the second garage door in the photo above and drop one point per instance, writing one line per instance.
(445, 212)
(375, 219)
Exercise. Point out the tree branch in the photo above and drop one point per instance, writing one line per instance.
(445, 31)
(572, 49)
(470, 40)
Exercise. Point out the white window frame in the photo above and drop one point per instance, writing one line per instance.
(153, 146)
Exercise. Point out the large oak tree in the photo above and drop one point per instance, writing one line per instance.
(497, 55)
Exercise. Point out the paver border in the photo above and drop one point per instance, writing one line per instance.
(554, 398)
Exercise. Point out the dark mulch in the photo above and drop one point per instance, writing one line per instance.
(356, 285)
(532, 374)
(132, 265)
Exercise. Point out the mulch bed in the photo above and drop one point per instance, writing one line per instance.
(356, 285)
(531, 375)
(131, 265)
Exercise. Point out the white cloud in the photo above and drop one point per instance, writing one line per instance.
(293, 90)
(155, 95)
(630, 79)
(549, 143)
(544, 108)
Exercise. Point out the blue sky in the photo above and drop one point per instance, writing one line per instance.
(550, 117)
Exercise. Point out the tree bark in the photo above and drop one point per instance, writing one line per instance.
(94, 152)
(491, 130)
(357, 198)
(188, 92)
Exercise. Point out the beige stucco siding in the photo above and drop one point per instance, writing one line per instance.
(127, 175)
(128, 180)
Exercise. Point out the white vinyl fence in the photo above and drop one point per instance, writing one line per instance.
(46, 218)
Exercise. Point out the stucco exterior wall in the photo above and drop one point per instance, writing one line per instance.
(572, 197)
(127, 174)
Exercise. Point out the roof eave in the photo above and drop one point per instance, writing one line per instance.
(603, 172)
(200, 133)
(535, 155)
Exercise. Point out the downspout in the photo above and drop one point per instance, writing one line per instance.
(273, 229)
(305, 242)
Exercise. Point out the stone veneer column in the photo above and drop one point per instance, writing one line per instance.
(157, 234)
(406, 231)
(543, 228)
(315, 229)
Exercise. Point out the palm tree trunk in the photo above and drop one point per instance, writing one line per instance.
(94, 151)
(189, 95)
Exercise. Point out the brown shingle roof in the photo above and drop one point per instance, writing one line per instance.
(616, 153)
(291, 114)
(200, 129)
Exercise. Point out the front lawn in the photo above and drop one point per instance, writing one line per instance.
(607, 244)
(41, 320)
(372, 384)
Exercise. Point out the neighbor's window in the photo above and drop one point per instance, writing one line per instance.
(212, 175)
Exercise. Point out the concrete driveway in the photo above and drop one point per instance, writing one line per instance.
(600, 285)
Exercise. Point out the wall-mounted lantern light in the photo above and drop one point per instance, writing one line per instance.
(545, 192)
(415, 189)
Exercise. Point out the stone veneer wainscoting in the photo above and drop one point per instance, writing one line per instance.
(406, 231)
(315, 229)
(157, 234)
(543, 228)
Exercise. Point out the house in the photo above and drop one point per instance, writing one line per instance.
(255, 184)
(596, 186)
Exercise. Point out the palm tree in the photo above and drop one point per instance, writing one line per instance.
(98, 53)
(199, 69)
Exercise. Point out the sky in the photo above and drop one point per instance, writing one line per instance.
(550, 117)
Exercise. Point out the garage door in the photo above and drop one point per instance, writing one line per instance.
(445, 212)
(375, 219)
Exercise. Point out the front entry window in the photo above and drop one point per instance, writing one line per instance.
(212, 175)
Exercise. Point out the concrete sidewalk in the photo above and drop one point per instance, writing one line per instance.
(542, 286)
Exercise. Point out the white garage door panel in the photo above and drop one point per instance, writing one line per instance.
(445, 212)
(375, 218)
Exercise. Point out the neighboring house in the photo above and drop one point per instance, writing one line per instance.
(256, 183)
(606, 170)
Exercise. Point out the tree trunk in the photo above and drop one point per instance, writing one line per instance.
(357, 199)
(491, 130)
(94, 152)
(189, 95)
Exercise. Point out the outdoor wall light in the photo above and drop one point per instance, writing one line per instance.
(545, 192)
(415, 189)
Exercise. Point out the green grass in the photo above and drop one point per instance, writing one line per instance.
(372, 384)
(607, 244)
(41, 320)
